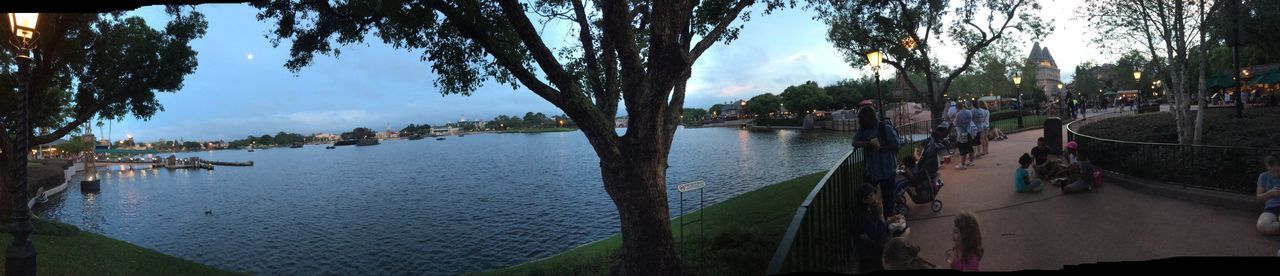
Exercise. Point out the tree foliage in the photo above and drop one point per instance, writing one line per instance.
(908, 31)
(805, 97)
(764, 105)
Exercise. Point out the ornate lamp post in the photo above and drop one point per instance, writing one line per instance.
(1017, 81)
(874, 58)
(1137, 75)
(20, 258)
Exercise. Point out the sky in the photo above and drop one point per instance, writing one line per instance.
(241, 87)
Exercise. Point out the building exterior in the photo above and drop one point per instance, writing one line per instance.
(325, 137)
(1048, 76)
(733, 110)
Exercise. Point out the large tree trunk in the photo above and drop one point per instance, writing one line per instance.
(638, 188)
(1200, 91)
(637, 184)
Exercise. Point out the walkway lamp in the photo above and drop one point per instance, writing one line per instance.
(874, 58)
(1017, 81)
(21, 255)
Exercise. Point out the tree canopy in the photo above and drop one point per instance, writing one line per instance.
(763, 105)
(907, 31)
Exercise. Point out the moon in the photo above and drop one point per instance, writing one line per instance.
(250, 56)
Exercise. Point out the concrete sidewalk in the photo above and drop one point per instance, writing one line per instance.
(1048, 230)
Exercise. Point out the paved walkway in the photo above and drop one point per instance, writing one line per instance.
(1049, 230)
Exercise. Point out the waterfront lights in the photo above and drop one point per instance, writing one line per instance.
(20, 257)
(874, 58)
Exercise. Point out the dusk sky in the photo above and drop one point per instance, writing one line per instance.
(241, 87)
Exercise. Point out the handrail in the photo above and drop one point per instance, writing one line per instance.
(1073, 132)
(793, 229)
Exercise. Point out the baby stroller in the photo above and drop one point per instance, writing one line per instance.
(923, 182)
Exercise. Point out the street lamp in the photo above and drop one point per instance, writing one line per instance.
(1137, 75)
(874, 58)
(1017, 81)
(21, 255)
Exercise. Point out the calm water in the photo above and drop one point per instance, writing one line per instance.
(464, 204)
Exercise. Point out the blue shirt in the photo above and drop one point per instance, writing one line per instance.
(1267, 181)
(880, 163)
(1020, 177)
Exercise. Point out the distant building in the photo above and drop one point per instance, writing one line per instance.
(733, 110)
(325, 137)
(444, 131)
(620, 122)
(387, 135)
(1048, 76)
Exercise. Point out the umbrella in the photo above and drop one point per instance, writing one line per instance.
(1268, 78)
(867, 102)
(1112, 93)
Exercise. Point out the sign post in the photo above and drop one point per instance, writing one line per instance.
(685, 188)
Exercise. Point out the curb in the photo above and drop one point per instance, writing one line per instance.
(1183, 192)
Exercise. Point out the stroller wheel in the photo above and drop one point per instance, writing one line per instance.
(937, 206)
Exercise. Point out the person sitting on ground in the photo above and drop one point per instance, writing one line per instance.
(901, 254)
(1269, 193)
(1022, 181)
(1070, 153)
(870, 231)
(997, 134)
(1040, 152)
(1084, 177)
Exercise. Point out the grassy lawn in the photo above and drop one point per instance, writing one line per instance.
(538, 130)
(1011, 124)
(64, 250)
(742, 234)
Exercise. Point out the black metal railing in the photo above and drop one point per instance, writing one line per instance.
(1229, 169)
(818, 238)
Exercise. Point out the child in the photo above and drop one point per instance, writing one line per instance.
(966, 255)
(1269, 193)
(901, 254)
(1022, 181)
(1084, 183)
(870, 230)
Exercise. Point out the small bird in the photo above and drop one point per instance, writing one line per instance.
(208, 212)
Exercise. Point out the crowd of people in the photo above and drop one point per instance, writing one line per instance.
(881, 236)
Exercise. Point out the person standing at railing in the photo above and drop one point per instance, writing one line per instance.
(1269, 192)
(879, 141)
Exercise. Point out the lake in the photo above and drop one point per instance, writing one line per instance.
(464, 204)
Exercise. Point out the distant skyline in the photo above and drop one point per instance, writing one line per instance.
(241, 87)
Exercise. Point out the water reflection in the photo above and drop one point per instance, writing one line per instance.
(423, 207)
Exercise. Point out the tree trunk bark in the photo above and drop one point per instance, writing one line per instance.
(1200, 91)
(637, 184)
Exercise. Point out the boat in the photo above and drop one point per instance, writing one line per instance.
(416, 137)
(296, 146)
(329, 147)
(346, 142)
(440, 139)
(460, 135)
(367, 142)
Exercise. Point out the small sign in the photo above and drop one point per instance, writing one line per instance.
(691, 186)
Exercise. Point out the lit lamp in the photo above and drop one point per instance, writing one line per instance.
(21, 255)
(874, 58)
(1017, 81)
(1137, 75)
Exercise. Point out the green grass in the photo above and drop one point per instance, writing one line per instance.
(1011, 124)
(742, 234)
(64, 250)
(538, 130)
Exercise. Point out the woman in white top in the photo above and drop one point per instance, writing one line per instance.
(982, 117)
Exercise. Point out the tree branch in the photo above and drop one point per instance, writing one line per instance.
(715, 33)
(588, 48)
(546, 60)
(490, 44)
